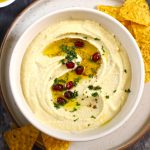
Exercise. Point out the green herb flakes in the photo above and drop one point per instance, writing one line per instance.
(96, 39)
(93, 117)
(128, 91)
(57, 106)
(76, 80)
(107, 96)
(75, 120)
(74, 109)
(95, 94)
(114, 91)
(90, 75)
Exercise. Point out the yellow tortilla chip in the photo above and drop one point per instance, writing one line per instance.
(114, 12)
(54, 144)
(141, 33)
(21, 138)
(145, 49)
(147, 77)
(136, 11)
(111, 10)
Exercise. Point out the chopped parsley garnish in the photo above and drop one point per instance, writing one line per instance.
(85, 37)
(125, 70)
(76, 80)
(107, 96)
(95, 94)
(74, 109)
(97, 88)
(128, 91)
(78, 63)
(77, 104)
(91, 87)
(75, 120)
(97, 39)
(93, 117)
(57, 106)
(90, 75)
(62, 61)
(56, 81)
(114, 91)
(75, 94)
(70, 51)
(93, 70)
(103, 49)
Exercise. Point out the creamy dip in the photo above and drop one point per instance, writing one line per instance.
(80, 57)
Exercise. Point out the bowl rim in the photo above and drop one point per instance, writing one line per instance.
(6, 3)
(38, 124)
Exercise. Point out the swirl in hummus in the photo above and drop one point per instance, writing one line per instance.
(75, 75)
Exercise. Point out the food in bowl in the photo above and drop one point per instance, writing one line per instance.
(75, 75)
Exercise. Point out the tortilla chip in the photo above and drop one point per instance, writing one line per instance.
(54, 144)
(147, 77)
(136, 11)
(21, 138)
(145, 50)
(141, 33)
(114, 12)
(111, 10)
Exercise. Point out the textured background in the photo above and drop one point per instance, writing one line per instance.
(7, 15)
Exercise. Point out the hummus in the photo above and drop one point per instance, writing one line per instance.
(91, 58)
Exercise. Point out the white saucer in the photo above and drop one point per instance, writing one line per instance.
(40, 8)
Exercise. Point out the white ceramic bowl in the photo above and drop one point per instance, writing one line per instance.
(6, 3)
(109, 24)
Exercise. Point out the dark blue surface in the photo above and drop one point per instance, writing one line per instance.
(7, 15)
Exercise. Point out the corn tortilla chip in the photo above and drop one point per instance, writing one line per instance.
(111, 10)
(136, 11)
(114, 12)
(21, 138)
(54, 144)
(141, 33)
(145, 49)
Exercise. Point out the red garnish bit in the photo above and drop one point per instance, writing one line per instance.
(79, 70)
(58, 87)
(79, 44)
(70, 65)
(68, 94)
(69, 85)
(96, 56)
(61, 101)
